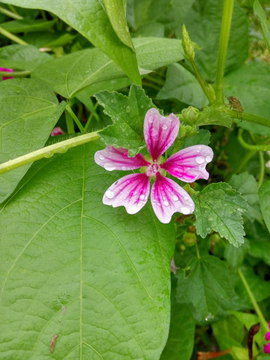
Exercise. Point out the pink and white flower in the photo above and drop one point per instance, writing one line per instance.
(6, 70)
(167, 197)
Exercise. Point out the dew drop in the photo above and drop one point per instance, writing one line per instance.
(208, 158)
(142, 196)
(109, 167)
(166, 203)
(101, 157)
(164, 127)
(175, 198)
(200, 159)
(109, 194)
(184, 210)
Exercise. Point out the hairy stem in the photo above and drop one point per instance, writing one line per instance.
(48, 151)
(223, 47)
(248, 117)
(253, 300)
(12, 37)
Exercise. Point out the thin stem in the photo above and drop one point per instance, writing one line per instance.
(201, 81)
(10, 13)
(12, 37)
(48, 151)
(197, 251)
(262, 169)
(223, 47)
(15, 73)
(251, 147)
(253, 300)
(74, 117)
(248, 117)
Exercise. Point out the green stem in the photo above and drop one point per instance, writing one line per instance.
(12, 37)
(251, 147)
(253, 300)
(10, 13)
(48, 151)
(262, 169)
(201, 81)
(223, 47)
(15, 73)
(248, 117)
(197, 251)
(74, 117)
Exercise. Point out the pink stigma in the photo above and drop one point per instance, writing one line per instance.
(152, 169)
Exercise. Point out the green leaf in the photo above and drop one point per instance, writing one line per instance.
(181, 85)
(264, 196)
(261, 15)
(219, 208)
(29, 111)
(116, 13)
(28, 25)
(206, 286)
(127, 114)
(202, 137)
(74, 72)
(91, 20)
(214, 115)
(181, 335)
(203, 23)
(258, 241)
(22, 57)
(250, 85)
(246, 185)
(81, 269)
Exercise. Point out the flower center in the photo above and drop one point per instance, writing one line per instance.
(152, 169)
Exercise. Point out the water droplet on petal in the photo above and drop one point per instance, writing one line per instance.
(142, 196)
(175, 198)
(109, 166)
(185, 210)
(200, 159)
(208, 158)
(109, 194)
(166, 203)
(164, 127)
(101, 157)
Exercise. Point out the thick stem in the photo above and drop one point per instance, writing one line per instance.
(12, 37)
(10, 13)
(223, 47)
(248, 117)
(251, 147)
(15, 73)
(48, 151)
(253, 300)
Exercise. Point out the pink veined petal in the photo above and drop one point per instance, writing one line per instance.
(267, 336)
(112, 158)
(189, 164)
(266, 348)
(130, 191)
(159, 132)
(167, 197)
(57, 131)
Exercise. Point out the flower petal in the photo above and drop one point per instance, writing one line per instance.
(266, 348)
(267, 336)
(112, 158)
(130, 191)
(189, 164)
(159, 132)
(167, 197)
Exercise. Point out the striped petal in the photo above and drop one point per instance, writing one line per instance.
(167, 197)
(189, 164)
(159, 132)
(266, 348)
(112, 158)
(130, 191)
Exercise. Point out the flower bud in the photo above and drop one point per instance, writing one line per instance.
(188, 45)
(189, 239)
(190, 115)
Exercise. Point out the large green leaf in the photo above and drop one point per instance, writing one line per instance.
(127, 114)
(91, 20)
(183, 86)
(207, 286)
(73, 267)
(181, 335)
(22, 57)
(29, 111)
(250, 85)
(72, 73)
(264, 196)
(203, 23)
(219, 208)
(261, 14)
